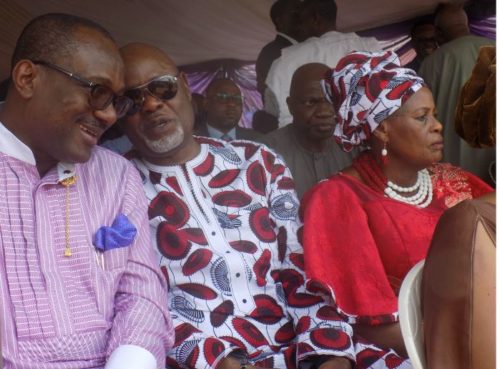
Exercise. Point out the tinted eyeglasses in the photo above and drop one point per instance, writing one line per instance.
(224, 98)
(100, 96)
(163, 88)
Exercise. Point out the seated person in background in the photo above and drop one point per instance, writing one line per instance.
(223, 106)
(458, 288)
(225, 223)
(79, 286)
(423, 40)
(366, 227)
(307, 145)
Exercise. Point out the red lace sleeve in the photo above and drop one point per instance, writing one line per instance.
(453, 185)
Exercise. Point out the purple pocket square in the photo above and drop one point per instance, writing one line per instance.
(120, 234)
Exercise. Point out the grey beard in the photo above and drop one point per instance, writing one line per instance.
(167, 143)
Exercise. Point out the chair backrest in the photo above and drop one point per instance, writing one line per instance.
(459, 289)
(410, 316)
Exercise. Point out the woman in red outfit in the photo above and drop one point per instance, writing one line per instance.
(365, 227)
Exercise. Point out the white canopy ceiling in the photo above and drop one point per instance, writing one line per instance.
(194, 30)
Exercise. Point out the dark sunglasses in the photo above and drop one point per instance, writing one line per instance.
(100, 96)
(224, 98)
(163, 88)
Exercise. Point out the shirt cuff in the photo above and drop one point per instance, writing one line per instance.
(131, 357)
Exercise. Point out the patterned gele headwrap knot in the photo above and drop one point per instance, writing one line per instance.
(365, 88)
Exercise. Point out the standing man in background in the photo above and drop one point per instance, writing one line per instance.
(284, 14)
(445, 71)
(423, 40)
(318, 21)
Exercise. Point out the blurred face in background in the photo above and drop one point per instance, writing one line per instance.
(289, 20)
(424, 40)
(223, 105)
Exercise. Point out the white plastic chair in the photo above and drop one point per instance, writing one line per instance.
(410, 316)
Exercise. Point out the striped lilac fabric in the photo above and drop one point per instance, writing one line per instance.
(72, 312)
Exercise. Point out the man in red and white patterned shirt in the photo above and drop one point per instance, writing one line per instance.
(224, 218)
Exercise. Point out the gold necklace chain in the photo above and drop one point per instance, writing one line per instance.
(67, 183)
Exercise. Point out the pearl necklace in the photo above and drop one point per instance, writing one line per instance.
(422, 198)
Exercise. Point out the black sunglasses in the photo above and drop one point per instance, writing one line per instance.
(225, 98)
(100, 96)
(163, 88)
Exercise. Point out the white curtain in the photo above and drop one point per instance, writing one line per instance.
(191, 31)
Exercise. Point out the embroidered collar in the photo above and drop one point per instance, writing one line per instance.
(198, 159)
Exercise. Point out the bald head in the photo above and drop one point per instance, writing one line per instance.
(160, 124)
(305, 74)
(313, 115)
(140, 59)
(218, 84)
(451, 22)
(134, 49)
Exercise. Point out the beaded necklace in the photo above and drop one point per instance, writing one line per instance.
(373, 176)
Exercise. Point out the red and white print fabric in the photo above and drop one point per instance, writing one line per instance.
(365, 88)
(226, 229)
